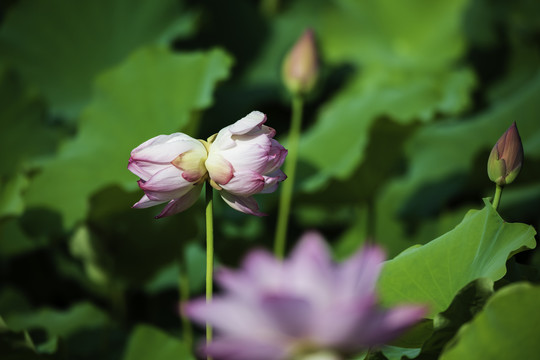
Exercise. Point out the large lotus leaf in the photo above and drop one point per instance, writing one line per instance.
(61, 45)
(147, 342)
(154, 92)
(441, 154)
(507, 327)
(398, 70)
(434, 273)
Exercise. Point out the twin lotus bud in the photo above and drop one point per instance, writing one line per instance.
(300, 68)
(506, 157)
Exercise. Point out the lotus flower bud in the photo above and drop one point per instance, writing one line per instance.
(300, 68)
(506, 157)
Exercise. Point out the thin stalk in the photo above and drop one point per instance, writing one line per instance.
(183, 289)
(209, 256)
(288, 185)
(497, 197)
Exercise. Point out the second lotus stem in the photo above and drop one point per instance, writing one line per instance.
(288, 185)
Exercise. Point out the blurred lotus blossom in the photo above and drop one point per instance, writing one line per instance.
(241, 160)
(306, 304)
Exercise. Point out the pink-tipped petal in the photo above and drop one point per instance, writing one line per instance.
(145, 202)
(178, 205)
(245, 204)
(145, 169)
(276, 156)
(249, 122)
(271, 181)
(245, 183)
(167, 179)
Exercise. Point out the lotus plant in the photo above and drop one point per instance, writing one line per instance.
(303, 307)
(241, 160)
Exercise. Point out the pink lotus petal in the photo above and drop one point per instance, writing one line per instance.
(165, 152)
(292, 315)
(311, 271)
(229, 316)
(245, 204)
(272, 180)
(145, 202)
(227, 348)
(395, 321)
(359, 274)
(167, 179)
(245, 183)
(178, 205)
(252, 120)
(335, 325)
(145, 169)
(162, 139)
(276, 157)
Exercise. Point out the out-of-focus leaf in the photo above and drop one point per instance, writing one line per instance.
(61, 45)
(147, 342)
(397, 353)
(354, 236)
(400, 71)
(194, 267)
(12, 300)
(82, 247)
(15, 346)
(435, 272)
(25, 135)
(25, 132)
(154, 92)
(505, 329)
(441, 154)
(13, 241)
(11, 202)
(60, 323)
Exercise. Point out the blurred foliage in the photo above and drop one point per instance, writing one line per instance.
(505, 328)
(411, 98)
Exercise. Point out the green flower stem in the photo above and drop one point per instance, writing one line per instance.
(497, 197)
(183, 289)
(288, 185)
(209, 255)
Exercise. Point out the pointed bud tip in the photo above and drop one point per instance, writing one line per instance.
(300, 67)
(506, 157)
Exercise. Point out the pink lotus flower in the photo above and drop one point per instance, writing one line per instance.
(241, 160)
(274, 310)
